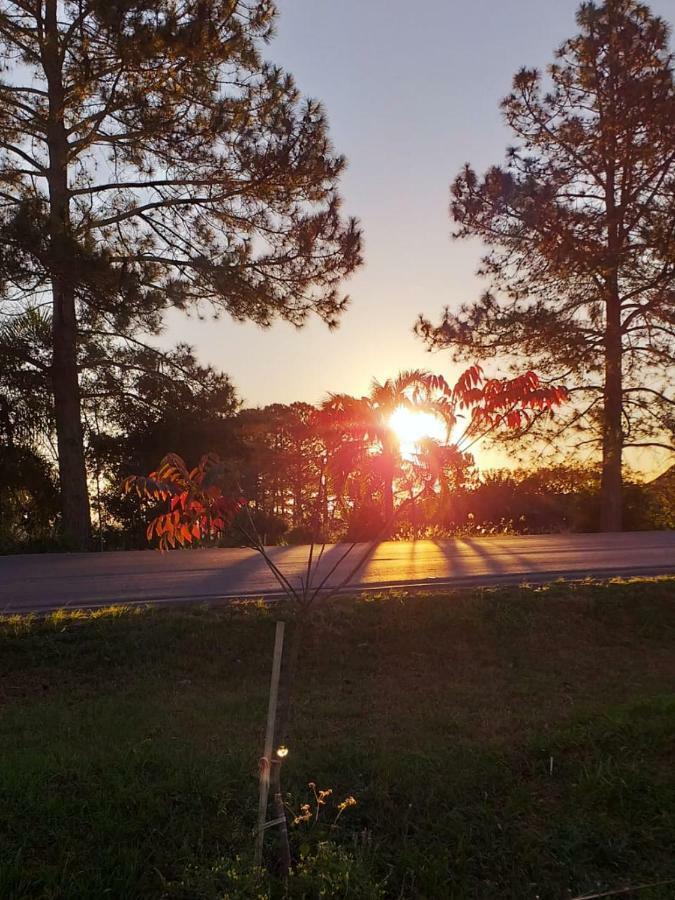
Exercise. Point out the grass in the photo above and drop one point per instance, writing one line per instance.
(511, 743)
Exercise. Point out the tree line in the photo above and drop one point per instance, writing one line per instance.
(310, 472)
(151, 158)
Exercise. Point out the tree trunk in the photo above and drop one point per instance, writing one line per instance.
(297, 500)
(388, 498)
(76, 523)
(388, 469)
(612, 431)
(75, 512)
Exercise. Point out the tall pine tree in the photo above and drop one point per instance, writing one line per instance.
(150, 158)
(580, 230)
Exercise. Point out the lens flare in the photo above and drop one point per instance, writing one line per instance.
(411, 426)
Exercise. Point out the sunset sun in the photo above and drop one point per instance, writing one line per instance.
(412, 426)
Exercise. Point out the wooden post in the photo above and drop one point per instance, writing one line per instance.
(266, 761)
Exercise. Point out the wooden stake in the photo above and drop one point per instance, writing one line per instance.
(266, 761)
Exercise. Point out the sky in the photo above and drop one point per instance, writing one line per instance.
(411, 91)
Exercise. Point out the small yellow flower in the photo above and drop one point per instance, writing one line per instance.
(305, 814)
(321, 796)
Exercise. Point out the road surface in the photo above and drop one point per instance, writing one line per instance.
(45, 582)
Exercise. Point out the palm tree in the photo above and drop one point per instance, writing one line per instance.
(25, 409)
(362, 433)
(442, 466)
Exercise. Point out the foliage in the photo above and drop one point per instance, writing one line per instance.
(660, 501)
(150, 158)
(334, 872)
(579, 230)
(536, 500)
(133, 415)
(355, 452)
(29, 497)
(273, 529)
(136, 401)
(323, 868)
(315, 809)
(328, 871)
(361, 442)
(26, 413)
(360, 437)
(224, 879)
(302, 534)
(282, 461)
(198, 508)
(28, 500)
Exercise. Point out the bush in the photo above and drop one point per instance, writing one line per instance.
(331, 871)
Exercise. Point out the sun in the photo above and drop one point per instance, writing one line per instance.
(411, 426)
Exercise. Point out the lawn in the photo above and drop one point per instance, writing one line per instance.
(510, 743)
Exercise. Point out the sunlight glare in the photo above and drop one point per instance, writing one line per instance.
(411, 426)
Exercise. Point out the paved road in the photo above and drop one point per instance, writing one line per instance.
(50, 581)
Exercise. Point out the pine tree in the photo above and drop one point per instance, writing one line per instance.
(150, 158)
(580, 226)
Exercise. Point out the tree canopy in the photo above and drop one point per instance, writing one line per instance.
(579, 226)
(151, 158)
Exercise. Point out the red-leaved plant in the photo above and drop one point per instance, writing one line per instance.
(198, 506)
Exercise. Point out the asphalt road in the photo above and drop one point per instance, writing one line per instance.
(50, 581)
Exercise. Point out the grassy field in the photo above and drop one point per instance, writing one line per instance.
(512, 743)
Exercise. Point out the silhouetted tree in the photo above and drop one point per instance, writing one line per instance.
(26, 410)
(135, 401)
(142, 401)
(28, 494)
(366, 439)
(445, 468)
(363, 449)
(281, 468)
(29, 500)
(581, 230)
(150, 158)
